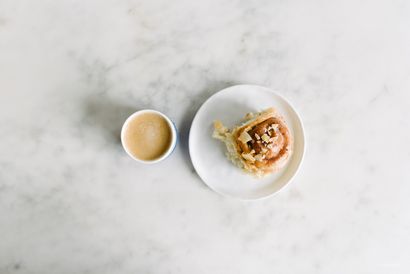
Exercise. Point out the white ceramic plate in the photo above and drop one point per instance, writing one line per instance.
(208, 154)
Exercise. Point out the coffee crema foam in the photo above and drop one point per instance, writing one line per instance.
(148, 136)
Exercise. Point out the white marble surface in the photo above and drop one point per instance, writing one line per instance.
(71, 201)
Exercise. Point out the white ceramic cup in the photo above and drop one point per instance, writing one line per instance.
(174, 136)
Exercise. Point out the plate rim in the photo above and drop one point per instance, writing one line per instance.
(298, 165)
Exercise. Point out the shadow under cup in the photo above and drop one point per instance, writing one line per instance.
(148, 136)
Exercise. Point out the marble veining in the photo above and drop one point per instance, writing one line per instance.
(72, 201)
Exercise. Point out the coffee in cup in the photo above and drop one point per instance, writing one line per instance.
(148, 136)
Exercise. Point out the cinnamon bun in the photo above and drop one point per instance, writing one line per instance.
(261, 145)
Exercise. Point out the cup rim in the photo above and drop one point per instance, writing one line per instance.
(173, 137)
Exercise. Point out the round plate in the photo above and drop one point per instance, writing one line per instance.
(208, 154)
